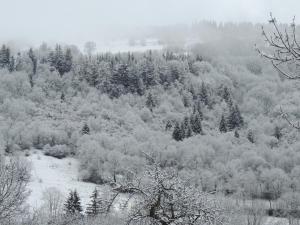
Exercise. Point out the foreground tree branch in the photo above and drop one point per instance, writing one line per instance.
(285, 52)
(285, 48)
(14, 177)
(162, 197)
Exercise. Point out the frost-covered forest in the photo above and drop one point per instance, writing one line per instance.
(184, 135)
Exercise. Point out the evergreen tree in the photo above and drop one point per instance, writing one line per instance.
(197, 109)
(178, 135)
(120, 79)
(250, 136)
(193, 92)
(148, 72)
(186, 127)
(188, 131)
(150, 102)
(168, 125)
(11, 65)
(204, 94)
(94, 206)
(277, 133)
(73, 204)
(33, 60)
(62, 97)
(85, 129)
(196, 123)
(223, 125)
(226, 95)
(235, 120)
(236, 134)
(60, 61)
(77, 202)
(68, 61)
(69, 209)
(4, 56)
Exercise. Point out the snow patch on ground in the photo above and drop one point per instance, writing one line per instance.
(276, 221)
(59, 173)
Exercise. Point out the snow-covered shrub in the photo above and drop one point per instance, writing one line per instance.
(57, 151)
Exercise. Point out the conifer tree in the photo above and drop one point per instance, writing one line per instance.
(69, 209)
(150, 102)
(226, 95)
(85, 129)
(223, 125)
(73, 204)
(277, 133)
(178, 135)
(11, 65)
(33, 60)
(196, 123)
(4, 56)
(235, 120)
(186, 127)
(68, 61)
(204, 94)
(168, 125)
(250, 136)
(94, 206)
(236, 134)
(77, 202)
(188, 131)
(197, 109)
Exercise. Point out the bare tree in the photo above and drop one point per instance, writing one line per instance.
(53, 203)
(14, 177)
(162, 197)
(284, 55)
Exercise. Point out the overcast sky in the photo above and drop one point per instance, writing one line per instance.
(82, 20)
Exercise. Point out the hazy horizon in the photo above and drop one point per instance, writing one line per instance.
(75, 22)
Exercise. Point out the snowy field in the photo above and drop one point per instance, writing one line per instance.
(62, 174)
(123, 46)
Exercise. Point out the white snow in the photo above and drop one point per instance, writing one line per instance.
(59, 173)
(117, 46)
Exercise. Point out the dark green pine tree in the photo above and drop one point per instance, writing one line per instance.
(147, 72)
(73, 204)
(168, 125)
(94, 207)
(77, 202)
(236, 134)
(250, 136)
(150, 102)
(11, 65)
(186, 127)
(56, 59)
(277, 133)
(85, 129)
(178, 134)
(196, 123)
(223, 125)
(69, 209)
(226, 95)
(4, 56)
(235, 120)
(68, 61)
(193, 92)
(197, 109)
(239, 117)
(121, 75)
(204, 94)
(33, 59)
(188, 131)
